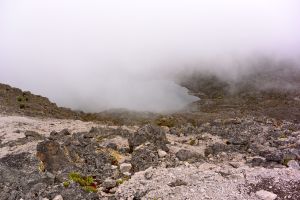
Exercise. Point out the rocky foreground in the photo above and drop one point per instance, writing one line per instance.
(236, 158)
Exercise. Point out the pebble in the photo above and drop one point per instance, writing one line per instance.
(125, 167)
(58, 197)
(266, 195)
(293, 164)
(161, 153)
(109, 183)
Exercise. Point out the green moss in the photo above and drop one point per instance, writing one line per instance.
(285, 161)
(192, 142)
(283, 136)
(86, 182)
(120, 181)
(165, 121)
(66, 184)
(20, 98)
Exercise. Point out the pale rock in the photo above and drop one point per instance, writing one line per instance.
(265, 195)
(58, 197)
(161, 153)
(125, 167)
(293, 164)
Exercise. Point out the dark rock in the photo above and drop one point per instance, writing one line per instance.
(237, 141)
(16, 161)
(217, 148)
(149, 133)
(17, 131)
(274, 157)
(33, 135)
(257, 161)
(124, 150)
(65, 132)
(177, 182)
(187, 155)
(112, 145)
(52, 156)
(59, 135)
(144, 157)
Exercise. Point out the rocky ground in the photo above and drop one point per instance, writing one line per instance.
(241, 146)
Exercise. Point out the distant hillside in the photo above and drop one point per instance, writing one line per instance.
(16, 101)
(266, 91)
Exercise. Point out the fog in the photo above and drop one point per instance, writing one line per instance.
(94, 55)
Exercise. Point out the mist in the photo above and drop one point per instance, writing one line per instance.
(97, 55)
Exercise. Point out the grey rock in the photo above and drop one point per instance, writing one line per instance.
(112, 146)
(144, 157)
(187, 155)
(125, 167)
(109, 183)
(293, 164)
(148, 174)
(149, 133)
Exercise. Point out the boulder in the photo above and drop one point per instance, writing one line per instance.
(52, 156)
(149, 133)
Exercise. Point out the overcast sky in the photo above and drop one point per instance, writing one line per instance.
(95, 55)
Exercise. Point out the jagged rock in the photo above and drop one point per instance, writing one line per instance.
(144, 157)
(187, 155)
(149, 133)
(52, 156)
(59, 135)
(125, 167)
(265, 195)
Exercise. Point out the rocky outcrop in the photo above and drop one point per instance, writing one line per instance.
(149, 133)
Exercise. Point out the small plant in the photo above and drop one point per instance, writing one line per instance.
(165, 121)
(41, 167)
(90, 189)
(66, 184)
(20, 99)
(192, 142)
(285, 162)
(120, 181)
(117, 157)
(86, 182)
